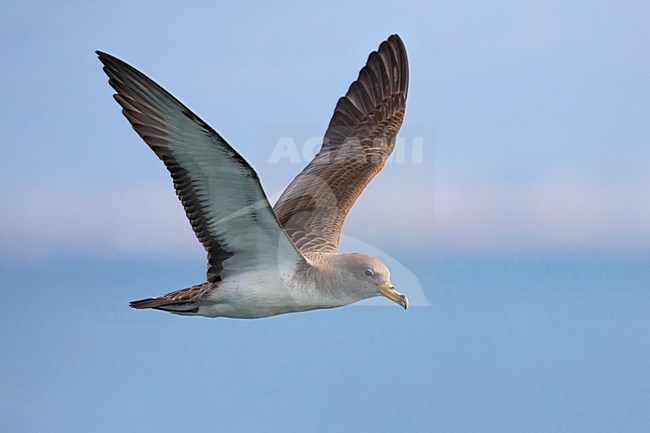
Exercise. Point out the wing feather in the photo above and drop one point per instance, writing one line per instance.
(220, 191)
(360, 138)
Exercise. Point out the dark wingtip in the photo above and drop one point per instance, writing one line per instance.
(111, 61)
(395, 38)
(102, 55)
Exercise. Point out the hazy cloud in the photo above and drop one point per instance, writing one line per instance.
(559, 214)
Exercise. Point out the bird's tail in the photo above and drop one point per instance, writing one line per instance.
(183, 301)
(164, 304)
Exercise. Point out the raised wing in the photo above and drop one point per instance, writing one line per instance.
(358, 141)
(221, 193)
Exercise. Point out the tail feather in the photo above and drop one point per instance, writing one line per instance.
(165, 304)
(184, 301)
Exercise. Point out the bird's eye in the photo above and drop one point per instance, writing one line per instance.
(368, 273)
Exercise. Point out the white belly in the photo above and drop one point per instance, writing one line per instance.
(261, 294)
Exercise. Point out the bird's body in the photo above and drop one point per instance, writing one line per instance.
(271, 294)
(263, 261)
(317, 286)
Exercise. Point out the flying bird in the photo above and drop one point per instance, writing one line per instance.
(265, 261)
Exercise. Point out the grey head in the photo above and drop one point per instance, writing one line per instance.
(367, 277)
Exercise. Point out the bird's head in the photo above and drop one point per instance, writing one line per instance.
(372, 278)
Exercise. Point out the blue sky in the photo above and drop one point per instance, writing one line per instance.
(521, 204)
(532, 116)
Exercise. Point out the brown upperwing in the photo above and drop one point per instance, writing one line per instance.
(358, 141)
